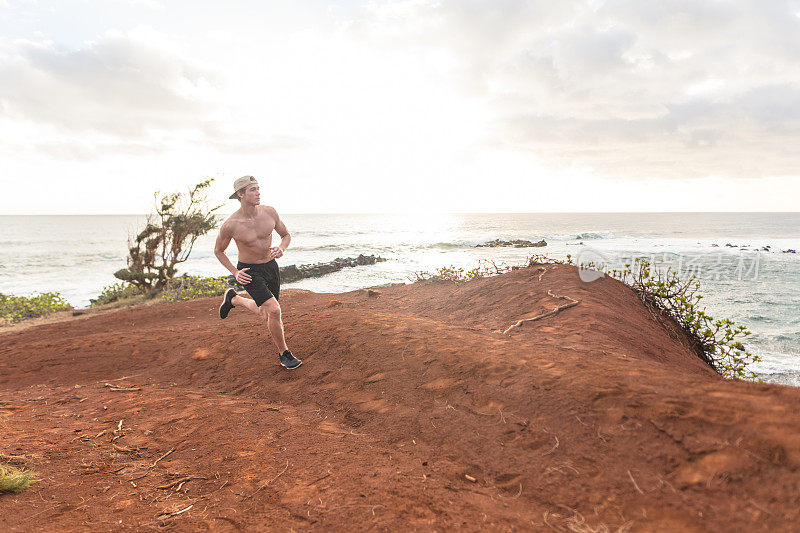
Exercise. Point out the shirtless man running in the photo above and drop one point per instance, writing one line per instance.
(251, 228)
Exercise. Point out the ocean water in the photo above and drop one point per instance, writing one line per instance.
(752, 281)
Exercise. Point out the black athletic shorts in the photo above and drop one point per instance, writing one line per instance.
(265, 282)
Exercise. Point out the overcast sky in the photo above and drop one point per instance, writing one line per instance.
(449, 105)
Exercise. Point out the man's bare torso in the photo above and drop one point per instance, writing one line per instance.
(253, 236)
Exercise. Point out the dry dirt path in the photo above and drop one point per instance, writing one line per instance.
(412, 409)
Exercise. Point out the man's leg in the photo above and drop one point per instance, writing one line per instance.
(271, 312)
(245, 302)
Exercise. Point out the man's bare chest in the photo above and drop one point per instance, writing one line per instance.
(255, 230)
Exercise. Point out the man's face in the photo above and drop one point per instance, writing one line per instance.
(252, 194)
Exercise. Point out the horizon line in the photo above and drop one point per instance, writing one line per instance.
(436, 213)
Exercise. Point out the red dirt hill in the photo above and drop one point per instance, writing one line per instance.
(412, 409)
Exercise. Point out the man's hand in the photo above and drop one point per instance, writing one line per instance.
(274, 253)
(243, 277)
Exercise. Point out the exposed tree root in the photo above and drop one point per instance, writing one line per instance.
(572, 303)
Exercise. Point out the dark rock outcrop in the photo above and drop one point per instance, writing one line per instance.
(294, 272)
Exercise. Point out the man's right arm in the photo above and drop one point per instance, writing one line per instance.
(223, 240)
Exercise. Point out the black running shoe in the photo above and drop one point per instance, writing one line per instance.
(289, 361)
(226, 306)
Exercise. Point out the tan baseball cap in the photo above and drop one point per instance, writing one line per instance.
(241, 183)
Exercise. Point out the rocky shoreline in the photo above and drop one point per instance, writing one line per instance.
(748, 248)
(294, 273)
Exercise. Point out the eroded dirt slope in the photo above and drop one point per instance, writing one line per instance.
(411, 409)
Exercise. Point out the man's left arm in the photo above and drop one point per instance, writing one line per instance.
(280, 229)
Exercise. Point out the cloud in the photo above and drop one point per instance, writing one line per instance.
(427, 93)
(743, 136)
(681, 88)
(124, 93)
(119, 85)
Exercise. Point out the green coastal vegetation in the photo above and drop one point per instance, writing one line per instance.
(183, 287)
(14, 309)
(116, 292)
(718, 342)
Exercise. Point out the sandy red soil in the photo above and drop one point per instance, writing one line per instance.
(411, 411)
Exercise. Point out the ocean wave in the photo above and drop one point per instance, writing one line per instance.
(788, 337)
(782, 378)
(773, 363)
(456, 244)
(201, 254)
(776, 361)
(387, 247)
(330, 233)
(586, 236)
(324, 247)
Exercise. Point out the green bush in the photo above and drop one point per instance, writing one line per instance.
(717, 342)
(190, 287)
(181, 288)
(116, 291)
(458, 275)
(16, 308)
